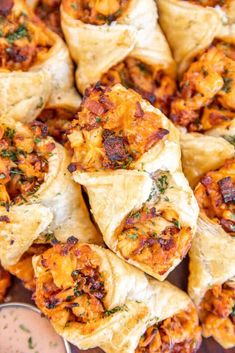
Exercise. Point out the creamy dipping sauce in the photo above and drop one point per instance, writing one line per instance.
(23, 330)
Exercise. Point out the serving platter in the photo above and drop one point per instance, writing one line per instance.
(178, 277)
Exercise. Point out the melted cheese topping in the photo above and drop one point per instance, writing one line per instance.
(70, 288)
(206, 95)
(216, 196)
(112, 131)
(153, 84)
(179, 333)
(96, 12)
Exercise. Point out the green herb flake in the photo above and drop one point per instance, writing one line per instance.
(74, 6)
(37, 140)
(30, 343)
(21, 32)
(98, 119)
(227, 84)
(10, 133)
(2, 176)
(162, 184)
(233, 311)
(133, 236)
(115, 310)
(24, 328)
(176, 223)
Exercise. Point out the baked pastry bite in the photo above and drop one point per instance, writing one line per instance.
(202, 38)
(120, 42)
(212, 256)
(49, 12)
(5, 282)
(37, 194)
(93, 298)
(127, 155)
(35, 67)
(203, 153)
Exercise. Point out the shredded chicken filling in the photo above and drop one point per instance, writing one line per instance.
(110, 133)
(177, 334)
(216, 196)
(155, 85)
(23, 162)
(23, 42)
(206, 93)
(96, 12)
(217, 310)
(58, 122)
(71, 287)
(49, 12)
(154, 238)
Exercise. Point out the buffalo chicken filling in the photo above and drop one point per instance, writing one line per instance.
(154, 237)
(205, 99)
(216, 196)
(217, 311)
(24, 158)
(58, 122)
(96, 12)
(112, 131)
(49, 12)
(70, 288)
(22, 39)
(155, 85)
(5, 281)
(177, 334)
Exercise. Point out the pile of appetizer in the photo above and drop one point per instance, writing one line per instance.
(117, 134)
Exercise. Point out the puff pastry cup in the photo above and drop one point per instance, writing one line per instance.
(93, 298)
(119, 42)
(35, 68)
(126, 154)
(212, 256)
(38, 197)
(203, 42)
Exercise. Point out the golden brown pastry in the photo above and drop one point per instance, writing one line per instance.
(212, 256)
(35, 67)
(203, 153)
(37, 194)
(120, 42)
(127, 155)
(5, 282)
(49, 12)
(93, 298)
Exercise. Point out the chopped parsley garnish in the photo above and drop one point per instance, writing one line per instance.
(133, 236)
(30, 343)
(162, 184)
(24, 328)
(227, 84)
(176, 223)
(21, 32)
(10, 133)
(233, 311)
(2, 176)
(115, 310)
